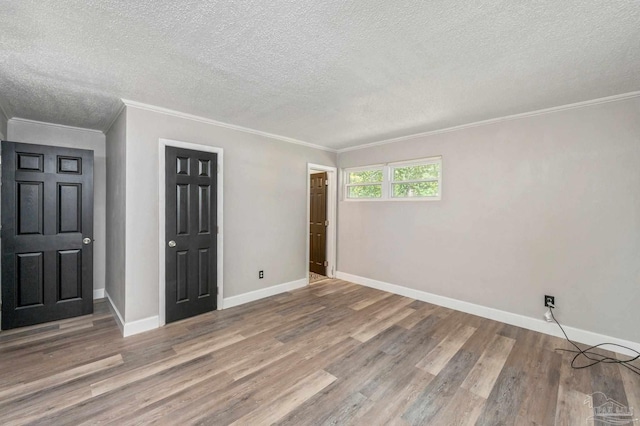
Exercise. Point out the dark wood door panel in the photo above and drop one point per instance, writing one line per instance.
(204, 266)
(182, 276)
(47, 210)
(29, 161)
(30, 279)
(69, 207)
(204, 205)
(183, 208)
(69, 277)
(318, 223)
(191, 223)
(30, 200)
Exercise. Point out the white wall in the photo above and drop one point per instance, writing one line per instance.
(51, 134)
(116, 213)
(547, 204)
(265, 205)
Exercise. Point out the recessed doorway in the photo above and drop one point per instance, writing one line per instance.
(202, 256)
(321, 220)
(47, 233)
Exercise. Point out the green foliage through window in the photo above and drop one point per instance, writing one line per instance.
(366, 176)
(422, 181)
(419, 172)
(416, 179)
(415, 189)
(365, 191)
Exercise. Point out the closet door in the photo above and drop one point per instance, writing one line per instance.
(47, 231)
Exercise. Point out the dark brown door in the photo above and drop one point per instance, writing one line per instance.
(47, 231)
(318, 224)
(191, 233)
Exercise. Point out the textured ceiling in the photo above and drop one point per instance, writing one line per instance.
(330, 72)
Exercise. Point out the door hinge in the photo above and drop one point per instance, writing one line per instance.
(326, 182)
(326, 263)
(326, 223)
(217, 291)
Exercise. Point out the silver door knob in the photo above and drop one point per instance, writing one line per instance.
(172, 244)
(86, 241)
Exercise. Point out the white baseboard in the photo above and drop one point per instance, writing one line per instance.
(241, 299)
(98, 293)
(116, 312)
(146, 324)
(133, 327)
(140, 326)
(576, 334)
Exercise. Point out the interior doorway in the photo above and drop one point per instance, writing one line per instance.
(202, 169)
(191, 229)
(321, 220)
(47, 233)
(318, 226)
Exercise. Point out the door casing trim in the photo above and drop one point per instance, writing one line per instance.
(332, 198)
(162, 218)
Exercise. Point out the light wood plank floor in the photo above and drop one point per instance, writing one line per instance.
(330, 353)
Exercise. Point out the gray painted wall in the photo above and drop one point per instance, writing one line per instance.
(116, 212)
(48, 134)
(265, 198)
(548, 204)
(3, 125)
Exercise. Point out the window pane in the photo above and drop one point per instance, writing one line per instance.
(366, 176)
(423, 171)
(418, 189)
(366, 191)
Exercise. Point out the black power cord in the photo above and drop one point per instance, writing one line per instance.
(596, 358)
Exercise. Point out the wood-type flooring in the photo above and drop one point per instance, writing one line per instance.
(332, 353)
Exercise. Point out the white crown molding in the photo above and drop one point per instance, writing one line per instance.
(490, 121)
(576, 334)
(161, 110)
(114, 118)
(60, 126)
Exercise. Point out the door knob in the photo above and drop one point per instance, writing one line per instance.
(86, 241)
(172, 244)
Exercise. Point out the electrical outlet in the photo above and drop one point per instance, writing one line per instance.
(549, 300)
(261, 274)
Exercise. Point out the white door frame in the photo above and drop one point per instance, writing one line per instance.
(161, 231)
(332, 176)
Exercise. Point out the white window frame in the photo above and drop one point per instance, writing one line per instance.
(387, 180)
(348, 185)
(418, 162)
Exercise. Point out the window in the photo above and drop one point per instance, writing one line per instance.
(364, 183)
(407, 180)
(416, 180)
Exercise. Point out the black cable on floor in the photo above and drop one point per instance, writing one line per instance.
(595, 357)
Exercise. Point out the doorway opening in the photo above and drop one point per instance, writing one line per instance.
(206, 163)
(321, 220)
(47, 247)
